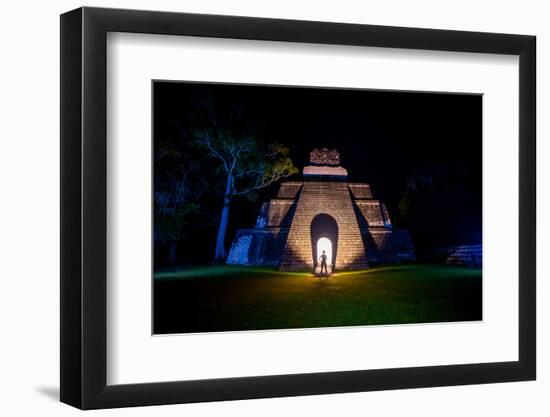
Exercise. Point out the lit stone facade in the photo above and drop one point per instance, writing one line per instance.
(326, 205)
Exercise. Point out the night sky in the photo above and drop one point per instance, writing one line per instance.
(384, 137)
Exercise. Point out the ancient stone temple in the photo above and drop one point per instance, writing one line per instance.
(324, 212)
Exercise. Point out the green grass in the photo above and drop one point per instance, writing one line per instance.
(226, 298)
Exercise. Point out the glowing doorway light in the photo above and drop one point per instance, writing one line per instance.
(324, 244)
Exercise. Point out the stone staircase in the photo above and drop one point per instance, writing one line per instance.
(466, 255)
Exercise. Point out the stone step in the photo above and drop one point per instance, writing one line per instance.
(466, 255)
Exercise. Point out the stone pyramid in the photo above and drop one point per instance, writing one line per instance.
(355, 226)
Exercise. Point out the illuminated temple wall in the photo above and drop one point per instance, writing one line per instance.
(332, 198)
(282, 236)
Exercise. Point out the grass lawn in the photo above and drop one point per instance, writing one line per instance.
(226, 298)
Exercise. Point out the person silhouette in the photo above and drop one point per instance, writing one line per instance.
(323, 259)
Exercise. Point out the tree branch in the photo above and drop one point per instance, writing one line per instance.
(262, 184)
(206, 140)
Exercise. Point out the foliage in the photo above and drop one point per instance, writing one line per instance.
(439, 206)
(245, 162)
(233, 139)
(177, 189)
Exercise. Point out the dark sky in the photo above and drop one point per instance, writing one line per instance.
(383, 136)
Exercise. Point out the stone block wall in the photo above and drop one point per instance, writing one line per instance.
(334, 199)
(260, 247)
(289, 189)
(280, 213)
(466, 255)
(388, 246)
(360, 190)
(387, 221)
(371, 211)
(469, 255)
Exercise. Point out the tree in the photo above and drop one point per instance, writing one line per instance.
(441, 205)
(247, 163)
(175, 196)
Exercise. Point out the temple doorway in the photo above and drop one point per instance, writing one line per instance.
(324, 237)
(324, 247)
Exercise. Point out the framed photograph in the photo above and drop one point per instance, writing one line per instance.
(257, 208)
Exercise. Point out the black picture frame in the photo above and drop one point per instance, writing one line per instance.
(84, 207)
